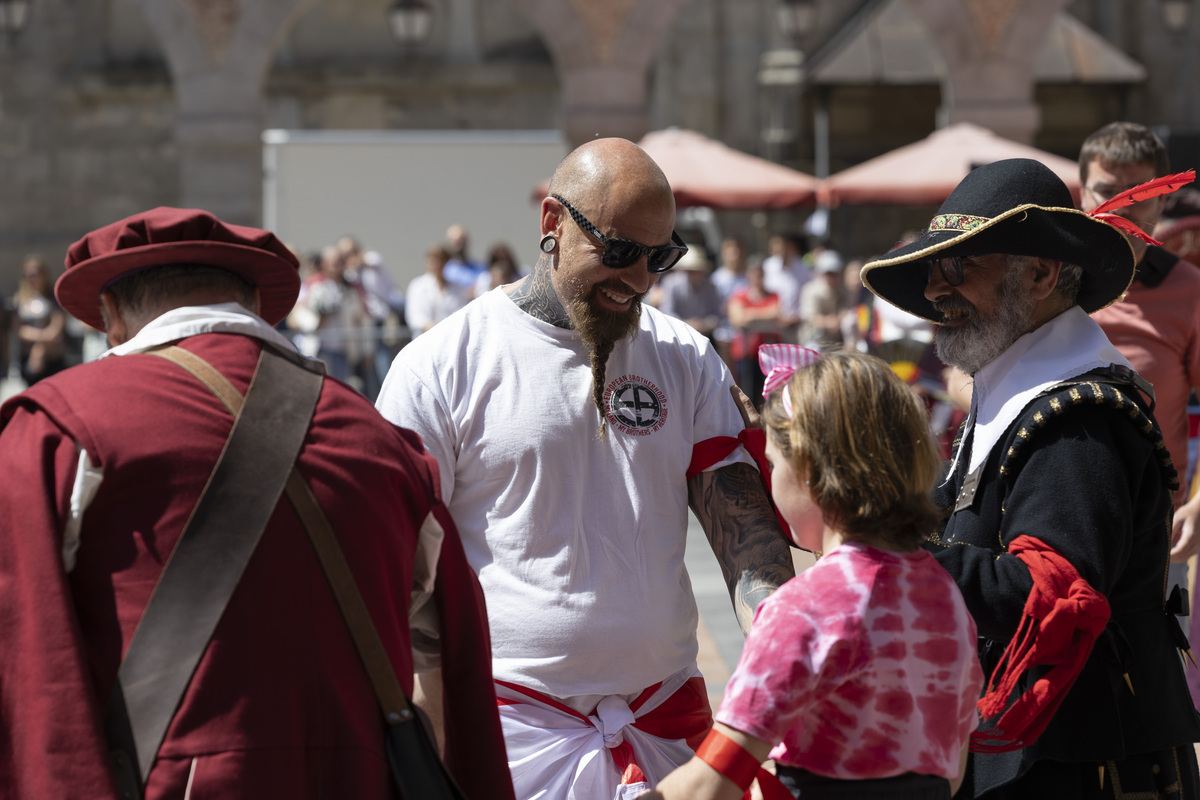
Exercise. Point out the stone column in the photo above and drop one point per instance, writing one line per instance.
(462, 43)
(219, 52)
(991, 49)
(603, 52)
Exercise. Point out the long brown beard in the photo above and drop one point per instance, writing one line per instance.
(600, 330)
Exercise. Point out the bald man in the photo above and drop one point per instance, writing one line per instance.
(573, 426)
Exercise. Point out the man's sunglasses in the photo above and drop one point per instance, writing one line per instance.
(951, 267)
(622, 253)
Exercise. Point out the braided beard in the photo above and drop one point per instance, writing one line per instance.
(600, 329)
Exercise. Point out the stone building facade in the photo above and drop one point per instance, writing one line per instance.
(108, 107)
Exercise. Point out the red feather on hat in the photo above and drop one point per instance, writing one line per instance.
(1143, 191)
(1125, 226)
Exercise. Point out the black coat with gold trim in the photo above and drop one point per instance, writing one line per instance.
(1084, 470)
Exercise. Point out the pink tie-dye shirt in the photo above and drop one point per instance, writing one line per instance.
(863, 666)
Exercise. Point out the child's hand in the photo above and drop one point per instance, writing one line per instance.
(746, 406)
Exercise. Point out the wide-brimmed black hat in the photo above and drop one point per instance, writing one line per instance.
(1017, 207)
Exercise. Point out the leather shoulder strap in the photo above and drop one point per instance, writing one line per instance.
(213, 550)
(324, 540)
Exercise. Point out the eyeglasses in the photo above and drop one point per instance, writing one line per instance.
(622, 253)
(1106, 191)
(951, 267)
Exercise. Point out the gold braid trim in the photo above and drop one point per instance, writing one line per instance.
(1101, 394)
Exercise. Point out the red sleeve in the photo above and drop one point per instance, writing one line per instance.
(50, 741)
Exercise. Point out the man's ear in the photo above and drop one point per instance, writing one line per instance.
(551, 216)
(1044, 277)
(114, 324)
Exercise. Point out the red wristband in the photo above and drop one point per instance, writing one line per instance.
(728, 758)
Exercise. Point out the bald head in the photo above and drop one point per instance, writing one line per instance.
(608, 173)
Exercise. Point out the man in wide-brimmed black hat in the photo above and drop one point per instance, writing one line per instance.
(1058, 498)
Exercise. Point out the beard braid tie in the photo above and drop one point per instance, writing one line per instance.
(599, 357)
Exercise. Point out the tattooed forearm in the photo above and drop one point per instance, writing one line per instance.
(741, 527)
(535, 296)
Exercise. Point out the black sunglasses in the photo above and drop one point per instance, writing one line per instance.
(622, 253)
(951, 267)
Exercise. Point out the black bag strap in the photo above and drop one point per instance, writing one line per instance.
(209, 558)
(421, 776)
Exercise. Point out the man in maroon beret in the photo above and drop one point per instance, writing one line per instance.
(106, 469)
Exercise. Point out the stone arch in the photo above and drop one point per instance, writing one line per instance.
(991, 49)
(219, 52)
(603, 52)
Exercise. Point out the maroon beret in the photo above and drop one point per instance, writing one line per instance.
(164, 236)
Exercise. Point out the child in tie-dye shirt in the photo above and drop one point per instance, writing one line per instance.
(863, 668)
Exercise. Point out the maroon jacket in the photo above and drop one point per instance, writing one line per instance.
(280, 705)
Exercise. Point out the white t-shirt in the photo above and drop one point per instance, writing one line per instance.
(578, 541)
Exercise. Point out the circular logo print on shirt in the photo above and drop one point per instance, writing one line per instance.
(635, 405)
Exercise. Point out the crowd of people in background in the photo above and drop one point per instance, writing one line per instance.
(808, 294)
(354, 317)
(351, 314)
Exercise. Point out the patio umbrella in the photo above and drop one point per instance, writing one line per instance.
(705, 172)
(925, 172)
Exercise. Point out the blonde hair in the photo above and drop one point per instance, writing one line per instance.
(862, 438)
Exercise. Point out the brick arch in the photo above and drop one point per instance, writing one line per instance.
(603, 52)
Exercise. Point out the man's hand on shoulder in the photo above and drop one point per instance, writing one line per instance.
(750, 416)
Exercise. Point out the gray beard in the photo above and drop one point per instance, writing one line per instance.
(976, 344)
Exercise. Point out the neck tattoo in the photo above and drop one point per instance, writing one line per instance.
(536, 296)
